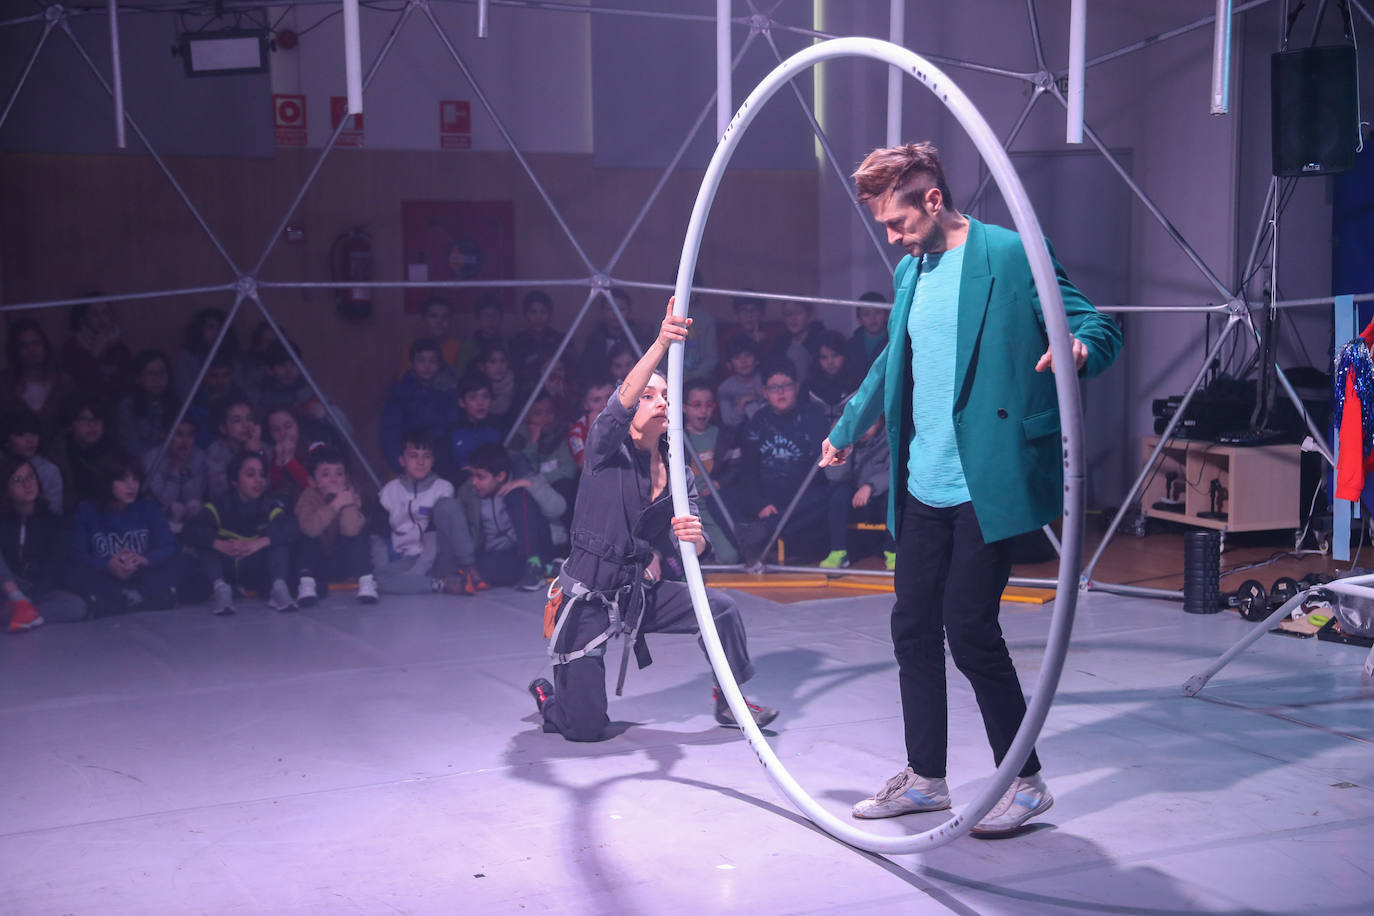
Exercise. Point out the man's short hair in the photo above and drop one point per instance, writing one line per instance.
(472, 382)
(740, 344)
(873, 296)
(425, 345)
(900, 169)
(418, 438)
(491, 457)
(533, 296)
(778, 365)
(739, 302)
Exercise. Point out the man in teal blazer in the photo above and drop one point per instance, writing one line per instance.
(973, 427)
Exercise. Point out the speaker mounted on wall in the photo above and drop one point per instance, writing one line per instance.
(1315, 110)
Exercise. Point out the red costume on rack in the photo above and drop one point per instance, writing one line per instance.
(1353, 387)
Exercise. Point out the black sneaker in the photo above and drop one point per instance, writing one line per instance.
(763, 715)
(542, 691)
(532, 579)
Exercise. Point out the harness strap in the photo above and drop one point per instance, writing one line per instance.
(613, 627)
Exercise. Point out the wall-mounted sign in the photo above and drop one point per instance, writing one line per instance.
(455, 124)
(288, 119)
(352, 134)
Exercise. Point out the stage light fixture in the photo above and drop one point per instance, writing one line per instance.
(223, 53)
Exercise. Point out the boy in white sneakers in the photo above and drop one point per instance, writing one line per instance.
(430, 548)
(334, 530)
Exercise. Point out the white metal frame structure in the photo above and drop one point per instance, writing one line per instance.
(755, 17)
(1354, 586)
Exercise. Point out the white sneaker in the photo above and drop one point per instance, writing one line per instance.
(1024, 799)
(224, 598)
(279, 599)
(905, 793)
(367, 589)
(306, 596)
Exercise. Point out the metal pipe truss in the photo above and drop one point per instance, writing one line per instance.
(599, 282)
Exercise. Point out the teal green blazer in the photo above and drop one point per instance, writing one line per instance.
(1006, 415)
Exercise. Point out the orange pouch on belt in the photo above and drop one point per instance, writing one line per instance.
(551, 610)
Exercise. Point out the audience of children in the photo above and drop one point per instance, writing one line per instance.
(255, 482)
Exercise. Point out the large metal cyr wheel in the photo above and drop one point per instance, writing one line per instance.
(1066, 386)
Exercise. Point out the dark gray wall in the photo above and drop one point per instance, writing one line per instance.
(62, 108)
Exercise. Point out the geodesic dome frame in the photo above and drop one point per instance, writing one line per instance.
(757, 18)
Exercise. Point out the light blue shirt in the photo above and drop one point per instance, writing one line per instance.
(935, 475)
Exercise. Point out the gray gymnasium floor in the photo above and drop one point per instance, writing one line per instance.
(351, 760)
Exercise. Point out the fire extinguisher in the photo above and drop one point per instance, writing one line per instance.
(350, 260)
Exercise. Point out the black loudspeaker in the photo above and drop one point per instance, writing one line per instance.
(1316, 115)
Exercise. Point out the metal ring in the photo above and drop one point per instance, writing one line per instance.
(1066, 386)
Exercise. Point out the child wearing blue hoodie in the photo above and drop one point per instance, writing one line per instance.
(124, 554)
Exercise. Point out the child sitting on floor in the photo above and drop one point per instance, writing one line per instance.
(333, 524)
(244, 538)
(178, 482)
(33, 553)
(239, 432)
(23, 432)
(513, 539)
(428, 547)
(125, 555)
(81, 450)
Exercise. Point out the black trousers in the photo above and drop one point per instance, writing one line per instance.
(532, 539)
(949, 583)
(578, 708)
